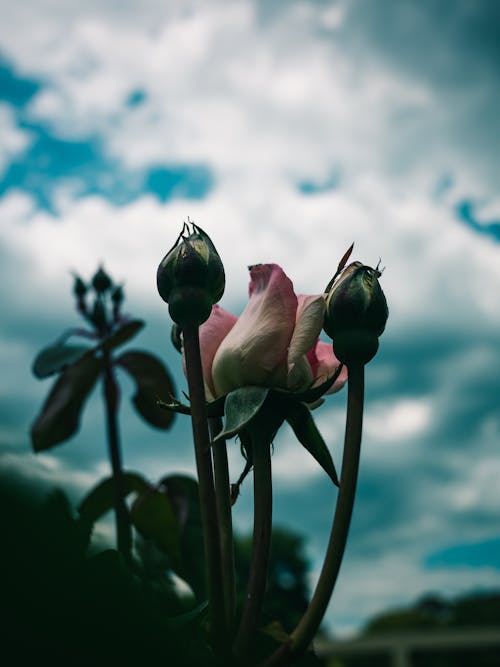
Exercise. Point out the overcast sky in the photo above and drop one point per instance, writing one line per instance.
(287, 130)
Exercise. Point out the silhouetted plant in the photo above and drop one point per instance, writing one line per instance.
(79, 367)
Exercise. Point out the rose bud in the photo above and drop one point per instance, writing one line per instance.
(190, 278)
(79, 288)
(101, 282)
(356, 313)
(117, 296)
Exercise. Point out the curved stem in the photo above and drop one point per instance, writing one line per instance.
(257, 580)
(305, 631)
(111, 397)
(204, 469)
(223, 500)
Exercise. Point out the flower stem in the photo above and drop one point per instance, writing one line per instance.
(223, 500)
(263, 507)
(305, 631)
(204, 469)
(111, 398)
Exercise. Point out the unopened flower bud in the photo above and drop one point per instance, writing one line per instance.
(117, 295)
(101, 282)
(79, 288)
(356, 313)
(190, 278)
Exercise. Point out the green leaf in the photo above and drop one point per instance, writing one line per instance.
(122, 334)
(101, 498)
(56, 358)
(182, 620)
(153, 515)
(183, 493)
(152, 381)
(241, 406)
(300, 419)
(59, 417)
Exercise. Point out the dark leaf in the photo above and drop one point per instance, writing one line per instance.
(76, 331)
(154, 517)
(101, 498)
(185, 619)
(152, 381)
(300, 419)
(122, 334)
(241, 406)
(59, 418)
(55, 358)
(183, 494)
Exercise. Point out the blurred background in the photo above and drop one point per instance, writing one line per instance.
(287, 130)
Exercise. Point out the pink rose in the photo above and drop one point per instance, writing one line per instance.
(274, 342)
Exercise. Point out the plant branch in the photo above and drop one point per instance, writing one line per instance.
(263, 506)
(305, 631)
(208, 505)
(111, 398)
(223, 500)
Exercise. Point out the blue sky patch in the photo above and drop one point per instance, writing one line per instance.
(83, 165)
(318, 187)
(50, 162)
(15, 89)
(136, 98)
(476, 554)
(466, 211)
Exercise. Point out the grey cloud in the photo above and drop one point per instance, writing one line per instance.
(444, 42)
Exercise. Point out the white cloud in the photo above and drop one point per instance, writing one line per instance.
(400, 420)
(264, 105)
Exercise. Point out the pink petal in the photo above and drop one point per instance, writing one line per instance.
(255, 350)
(212, 333)
(308, 324)
(324, 363)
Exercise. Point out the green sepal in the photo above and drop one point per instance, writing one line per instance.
(300, 419)
(315, 393)
(241, 406)
(56, 358)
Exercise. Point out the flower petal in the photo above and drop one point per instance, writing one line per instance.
(255, 350)
(324, 363)
(308, 324)
(212, 333)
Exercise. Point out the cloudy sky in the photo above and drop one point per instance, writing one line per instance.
(287, 130)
